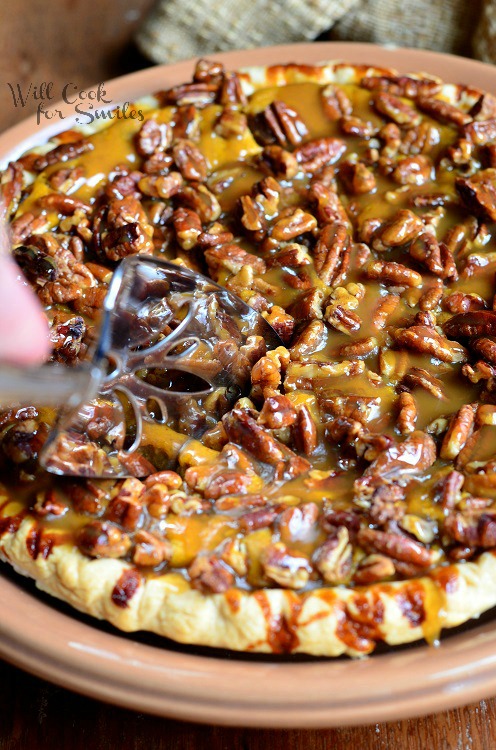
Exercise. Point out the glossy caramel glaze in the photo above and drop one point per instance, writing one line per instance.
(350, 215)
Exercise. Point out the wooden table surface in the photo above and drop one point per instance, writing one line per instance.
(62, 41)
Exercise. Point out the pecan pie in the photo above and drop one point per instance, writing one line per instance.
(348, 495)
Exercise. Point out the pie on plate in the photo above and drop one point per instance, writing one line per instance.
(346, 497)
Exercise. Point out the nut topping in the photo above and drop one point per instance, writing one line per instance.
(397, 546)
(334, 559)
(479, 193)
(288, 569)
(359, 221)
(395, 109)
(463, 325)
(426, 340)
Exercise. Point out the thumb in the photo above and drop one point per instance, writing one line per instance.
(23, 326)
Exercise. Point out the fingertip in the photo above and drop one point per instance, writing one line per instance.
(23, 326)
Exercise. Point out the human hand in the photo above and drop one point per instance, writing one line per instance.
(23, 326)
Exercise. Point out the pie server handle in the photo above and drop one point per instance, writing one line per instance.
(49, 385)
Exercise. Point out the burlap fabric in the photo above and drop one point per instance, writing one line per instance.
(179, 29)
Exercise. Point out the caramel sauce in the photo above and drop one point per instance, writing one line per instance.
(197, 532)
(219, 151)
(233, 599)
(447, 577)
(192, 534)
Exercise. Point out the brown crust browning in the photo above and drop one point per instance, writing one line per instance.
(324, 621)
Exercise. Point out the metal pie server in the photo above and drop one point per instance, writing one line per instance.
(173, 348)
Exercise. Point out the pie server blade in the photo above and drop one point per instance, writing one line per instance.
(173, 349)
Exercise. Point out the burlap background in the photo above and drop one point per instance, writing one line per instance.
(179, 29)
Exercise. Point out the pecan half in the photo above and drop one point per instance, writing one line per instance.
(410, 88)
(150, 550)
(397, 274)
(413, 170)
(450, 490)
(64, 152)
(153, 137)
(432, 296)
(187, 226)
(334, 558)
(480, 133)
(331, 243)
(259, 519)
(329, 207)
(282, 163)
(480, 371)
(266, 374)
(459, 302)
(126, 508)
(278, 411)
(478, 193)
(468, 324)
(407, 413)
(210, 575)
(304, 431)
(199, 198)
(342, 320)
(385, 308)
(67, 339)
(335, 102)
(231, 91)
(318, 153)
(394, 108)
(426, 340)
(473, 529)
(63, 204)
(292, 255)
(359, 349)
(298, 222)
(356, 126)
(47, 504)
(400, 229)
(285, 567)
(189, 160)
(486, 348)
(308, 306)
(418, 377)
(102, 539)
(397, 461)
(233, 258)
(231, 123)
(442, 111)
(357, 178)
(11, 187)
(374, 568)
(198, 93)
(279, 123)
(241, 428)
(460, 429)
(397, 546)
(310, 340)
(387, 504)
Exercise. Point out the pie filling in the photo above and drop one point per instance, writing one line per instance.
(359, 219)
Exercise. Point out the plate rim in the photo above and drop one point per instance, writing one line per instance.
(125, 672)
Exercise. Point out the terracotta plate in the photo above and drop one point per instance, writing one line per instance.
(155, 675)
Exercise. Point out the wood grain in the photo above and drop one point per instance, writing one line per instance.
(64, 41)
(86, 42)
(40, 716)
